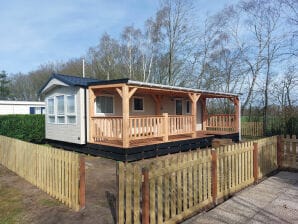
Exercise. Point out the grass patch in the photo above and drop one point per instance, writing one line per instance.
(49, 202)
(11, 206)
(250, 138)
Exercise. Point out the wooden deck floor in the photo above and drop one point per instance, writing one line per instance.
(152, 141)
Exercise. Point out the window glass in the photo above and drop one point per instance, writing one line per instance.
(50, 106)
(71, 119)
(51, 119)
(71, 104)
(60, 105)
(37, 110)
(178, 107)
(105, 104)
(61, 119)
(187, 107)
(138, 104)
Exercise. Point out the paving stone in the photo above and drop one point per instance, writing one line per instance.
(275, 200)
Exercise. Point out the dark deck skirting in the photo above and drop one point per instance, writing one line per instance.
(141, 152)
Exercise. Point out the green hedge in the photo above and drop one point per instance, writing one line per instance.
(30, 128)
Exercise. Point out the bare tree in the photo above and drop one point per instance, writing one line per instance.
(174, 17)
(104, 59)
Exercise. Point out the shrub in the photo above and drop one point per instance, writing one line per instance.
(30, 128)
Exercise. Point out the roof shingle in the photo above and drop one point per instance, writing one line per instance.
(74, 80)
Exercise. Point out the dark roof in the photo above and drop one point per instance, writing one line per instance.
(70, 80)
(74, 80)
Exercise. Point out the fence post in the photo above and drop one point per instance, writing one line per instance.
(145, 196)
(82, 199)
(255, 162)
(214, 176)
(279, 153)
(166, 127)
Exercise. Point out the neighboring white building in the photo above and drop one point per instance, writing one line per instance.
(21, 107)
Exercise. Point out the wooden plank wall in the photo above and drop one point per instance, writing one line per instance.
(267, 155)
(289, 152)
(252, 129)
(52, 170)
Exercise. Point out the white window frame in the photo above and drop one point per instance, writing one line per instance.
(190, 106)
(53, 114)
(133, 103)
(60, 115)
(74, 114)
(103, 114)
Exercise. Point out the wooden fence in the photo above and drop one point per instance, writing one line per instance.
(267, 155)
(252, 129)
(178, 186)
(169, 189)
(234, 168)
(289, 152)
(59, 173)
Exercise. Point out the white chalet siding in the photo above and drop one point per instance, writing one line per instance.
(73, 133)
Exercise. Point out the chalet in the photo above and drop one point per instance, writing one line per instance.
(21, 107)
(130, 120)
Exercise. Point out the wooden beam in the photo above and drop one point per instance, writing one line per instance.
(125, 116)
(237, 110)
(82, 183)
(145, 196)
(255, 163)
(131, 92)
(91, 114)
(214, 176)
(205, 114)
(119, 91)
(107, 86)
(166, 127)
(194, 97)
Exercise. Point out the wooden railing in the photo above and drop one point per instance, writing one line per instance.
(252, 129)
(107, 128)
(141, 127)
(180, 124)
(221, 122)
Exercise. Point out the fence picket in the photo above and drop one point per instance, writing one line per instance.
(42, 166)
(181, 184)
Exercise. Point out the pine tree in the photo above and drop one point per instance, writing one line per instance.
(4, 88)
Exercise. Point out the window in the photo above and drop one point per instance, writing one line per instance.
(51, 111)
(178, 107)
(60, 109)
(71, 104)
(51, 106)
(138, 104)
(71, 109)
(188, 107)
(104, 105)
(60, 105)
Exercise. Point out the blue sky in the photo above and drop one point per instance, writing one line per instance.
(34, 32)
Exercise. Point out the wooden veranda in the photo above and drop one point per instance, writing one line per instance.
(129, 130)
